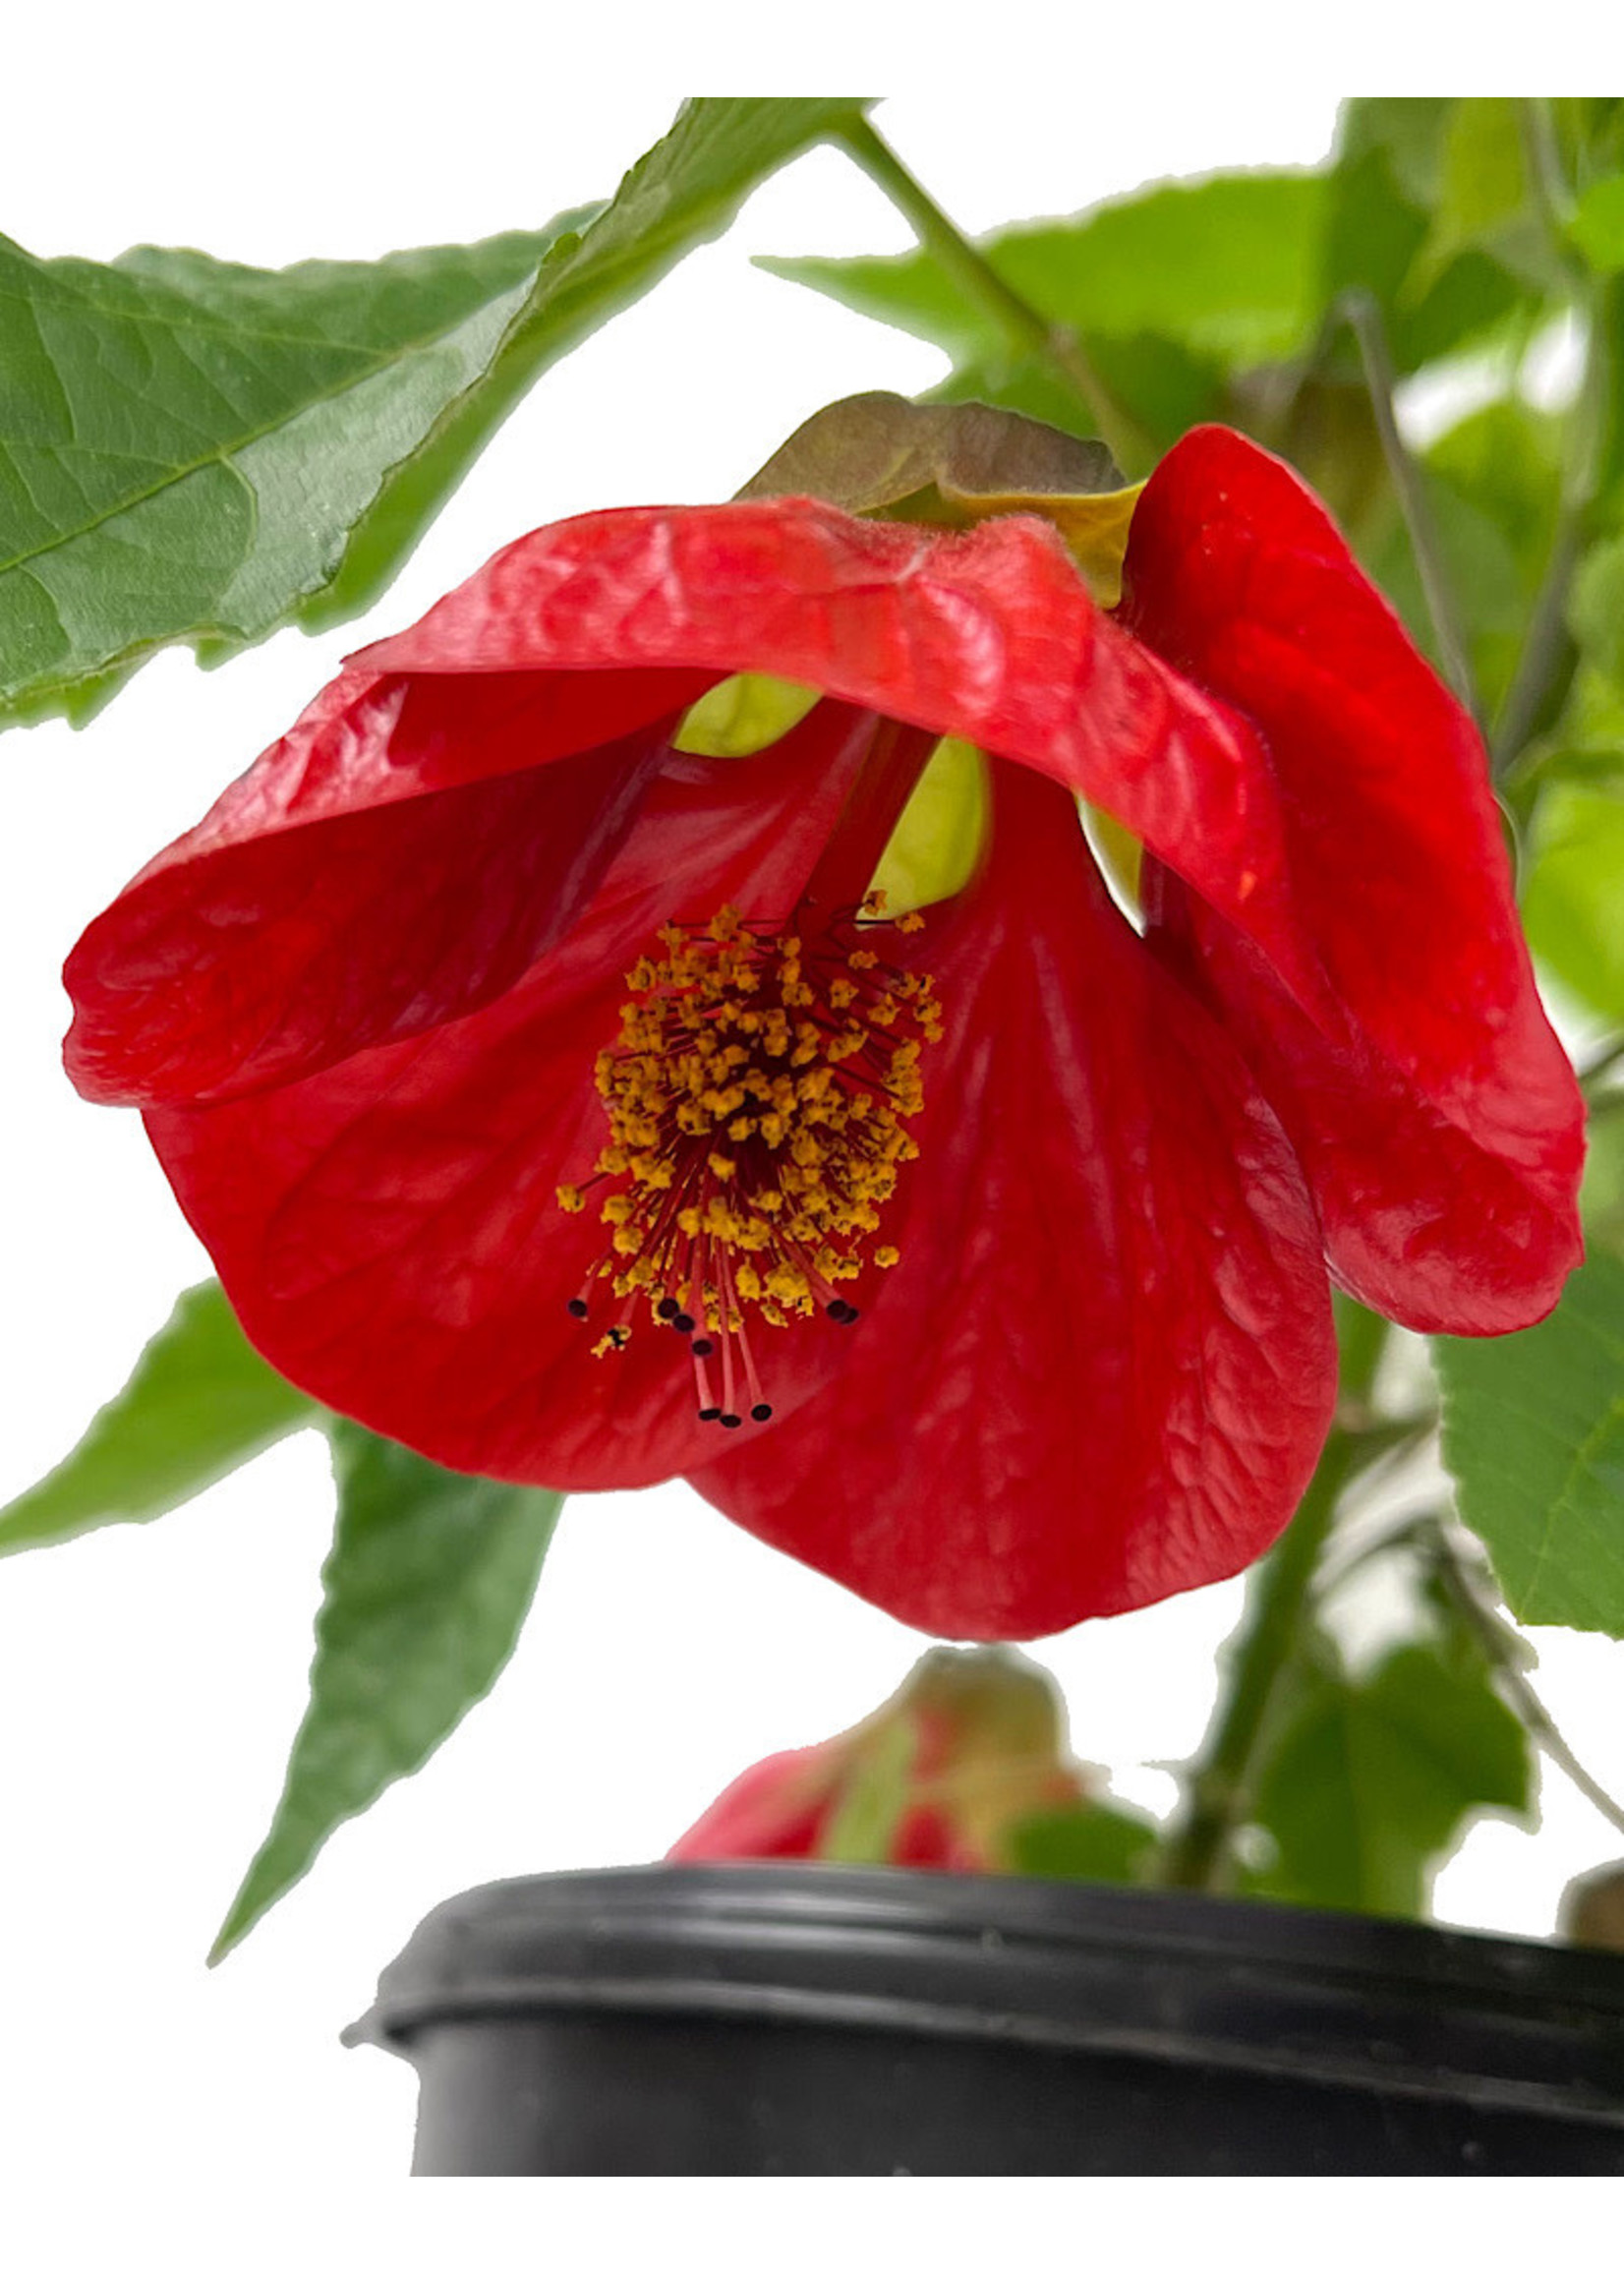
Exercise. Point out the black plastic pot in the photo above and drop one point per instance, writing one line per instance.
(799, 2018)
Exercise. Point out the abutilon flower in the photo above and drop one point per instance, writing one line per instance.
(941, 1776)
(581, 1103)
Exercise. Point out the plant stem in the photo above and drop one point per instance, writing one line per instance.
(1021, 324)
(1264, 1647)
(1220, 1792)
(1364, 318)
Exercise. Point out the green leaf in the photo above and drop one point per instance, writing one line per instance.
(1493, 483)
(1595, 607)
(200, 1403)
(1483, 199)
(1533, 1436)
(1099, 1840)
(423, 1594)
(1573, 901)
(1169, 388)
(1601, 1197)
(1597, 224)
(1371, 1782)
(1222, 272)
(1408, 133)
(196, 451)
(1400, 164)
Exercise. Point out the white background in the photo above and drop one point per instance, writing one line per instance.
(152, 1678)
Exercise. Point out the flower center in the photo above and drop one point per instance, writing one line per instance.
(756, 1102)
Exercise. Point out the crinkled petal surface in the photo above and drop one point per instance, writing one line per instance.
(1104, 1367)
(388, 1230)
(989, 636)
(1434, 1109)
(397, 859)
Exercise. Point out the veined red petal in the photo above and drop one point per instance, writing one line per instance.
(1103, 1369)
(989, 634)
(389, 1229)
(1445, 1228)
(1434, 1108)
(395, 860)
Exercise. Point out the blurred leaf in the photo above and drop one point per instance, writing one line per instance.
(1170, 289)
(423, 1594)
(196, 451)
(1406, 133)
(1400, 163)
(1013, 383)
(1533, 1436)
(1583, 745)
(1597, 224)
(1373, 230)
(1372, 1779)
(1493, 482)
(1601, 1197)
(1595, 607)
(1099, 1840)
(1483, 199)
(1224, 267)
(1573, 900)
(200, 1403)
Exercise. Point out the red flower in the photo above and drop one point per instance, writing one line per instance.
(363, 1005)
(969, 1748)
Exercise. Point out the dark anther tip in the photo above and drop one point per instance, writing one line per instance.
(577, 1306)
(732, 1421)
(703, 1346)
(667, 1308)
(683, 1324)
(709, 1412)
(761, 1413)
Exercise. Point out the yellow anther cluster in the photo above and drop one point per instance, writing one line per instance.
(756, 1102)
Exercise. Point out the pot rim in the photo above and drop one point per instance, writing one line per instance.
(1423, 2010)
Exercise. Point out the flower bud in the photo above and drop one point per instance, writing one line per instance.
(939, 1777)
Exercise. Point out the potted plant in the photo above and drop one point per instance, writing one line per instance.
(969, 1000)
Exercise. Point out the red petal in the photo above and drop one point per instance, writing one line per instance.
(775, 1807)
(1447, 1229)
(1103, 1370)
(1433, 1106)
(335, 898)
(388, 1231)
(990, 635)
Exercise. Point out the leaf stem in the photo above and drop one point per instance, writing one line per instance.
(1022, 325)
(1499, 1649)
(1363, 316)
